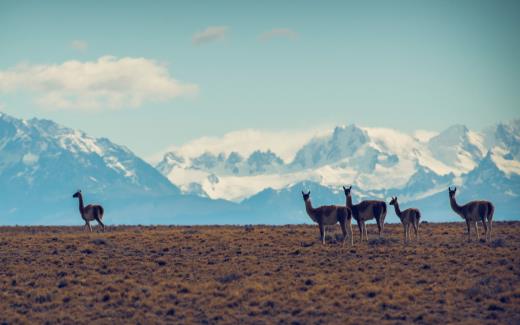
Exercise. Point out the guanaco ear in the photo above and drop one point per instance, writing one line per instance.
(344, 188)
(350, 187)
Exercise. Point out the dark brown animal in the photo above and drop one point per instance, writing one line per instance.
(366, 210)
(90, 212)
(473, 212)
(409, 217)
(329, 215)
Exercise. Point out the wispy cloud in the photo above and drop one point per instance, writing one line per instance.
(108, 82)
(278, 32)
(79, 45)
(210, 34)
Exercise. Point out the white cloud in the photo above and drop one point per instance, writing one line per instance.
(424, 135)
(79, 45)
(30, 159)
(246, 142)
(212, 33)
(108, 82)
(279, 32)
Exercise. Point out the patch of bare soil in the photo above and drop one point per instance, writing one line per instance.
(257, 274)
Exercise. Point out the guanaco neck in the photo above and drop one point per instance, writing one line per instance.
(349, 201)
(455, 206)
(80, 198)
(310, 209)
(397, 209)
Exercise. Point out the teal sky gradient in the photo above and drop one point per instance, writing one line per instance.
(400, 64)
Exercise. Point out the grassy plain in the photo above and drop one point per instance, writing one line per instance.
(259, 274)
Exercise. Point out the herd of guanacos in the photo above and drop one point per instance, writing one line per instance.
(329, 215)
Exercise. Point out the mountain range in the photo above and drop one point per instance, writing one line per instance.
(43, 163)
(378, 162)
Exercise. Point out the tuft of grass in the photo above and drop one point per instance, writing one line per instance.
(229, 278)
(498, 243)
(383, 241)
(99, 241)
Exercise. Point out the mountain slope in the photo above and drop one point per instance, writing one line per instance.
(42, 164)
(36, 153)
(458, 147)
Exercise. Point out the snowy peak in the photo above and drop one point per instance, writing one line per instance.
(233, 162)
(169, 161)
(343, 143)
(263, 161)
(458, 147)
(506, 136)
(346, 141)
(221, 176)
(41, 154)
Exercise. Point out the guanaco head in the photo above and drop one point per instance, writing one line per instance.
(393, 201)
(452, 192)
(347, 190)
(77, 194)
(306, 196)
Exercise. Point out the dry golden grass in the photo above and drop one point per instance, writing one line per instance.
(257, 275)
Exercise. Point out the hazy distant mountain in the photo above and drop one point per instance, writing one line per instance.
(42, 164)
(378, 162)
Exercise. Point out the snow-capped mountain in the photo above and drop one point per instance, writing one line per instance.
(458, 148)
(254, 181)
(370, 158)
(343, 143)
(36, 153)
(379, 162)
(42, 164)
(506, 136)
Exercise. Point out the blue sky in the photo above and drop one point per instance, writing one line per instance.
(207, 68)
